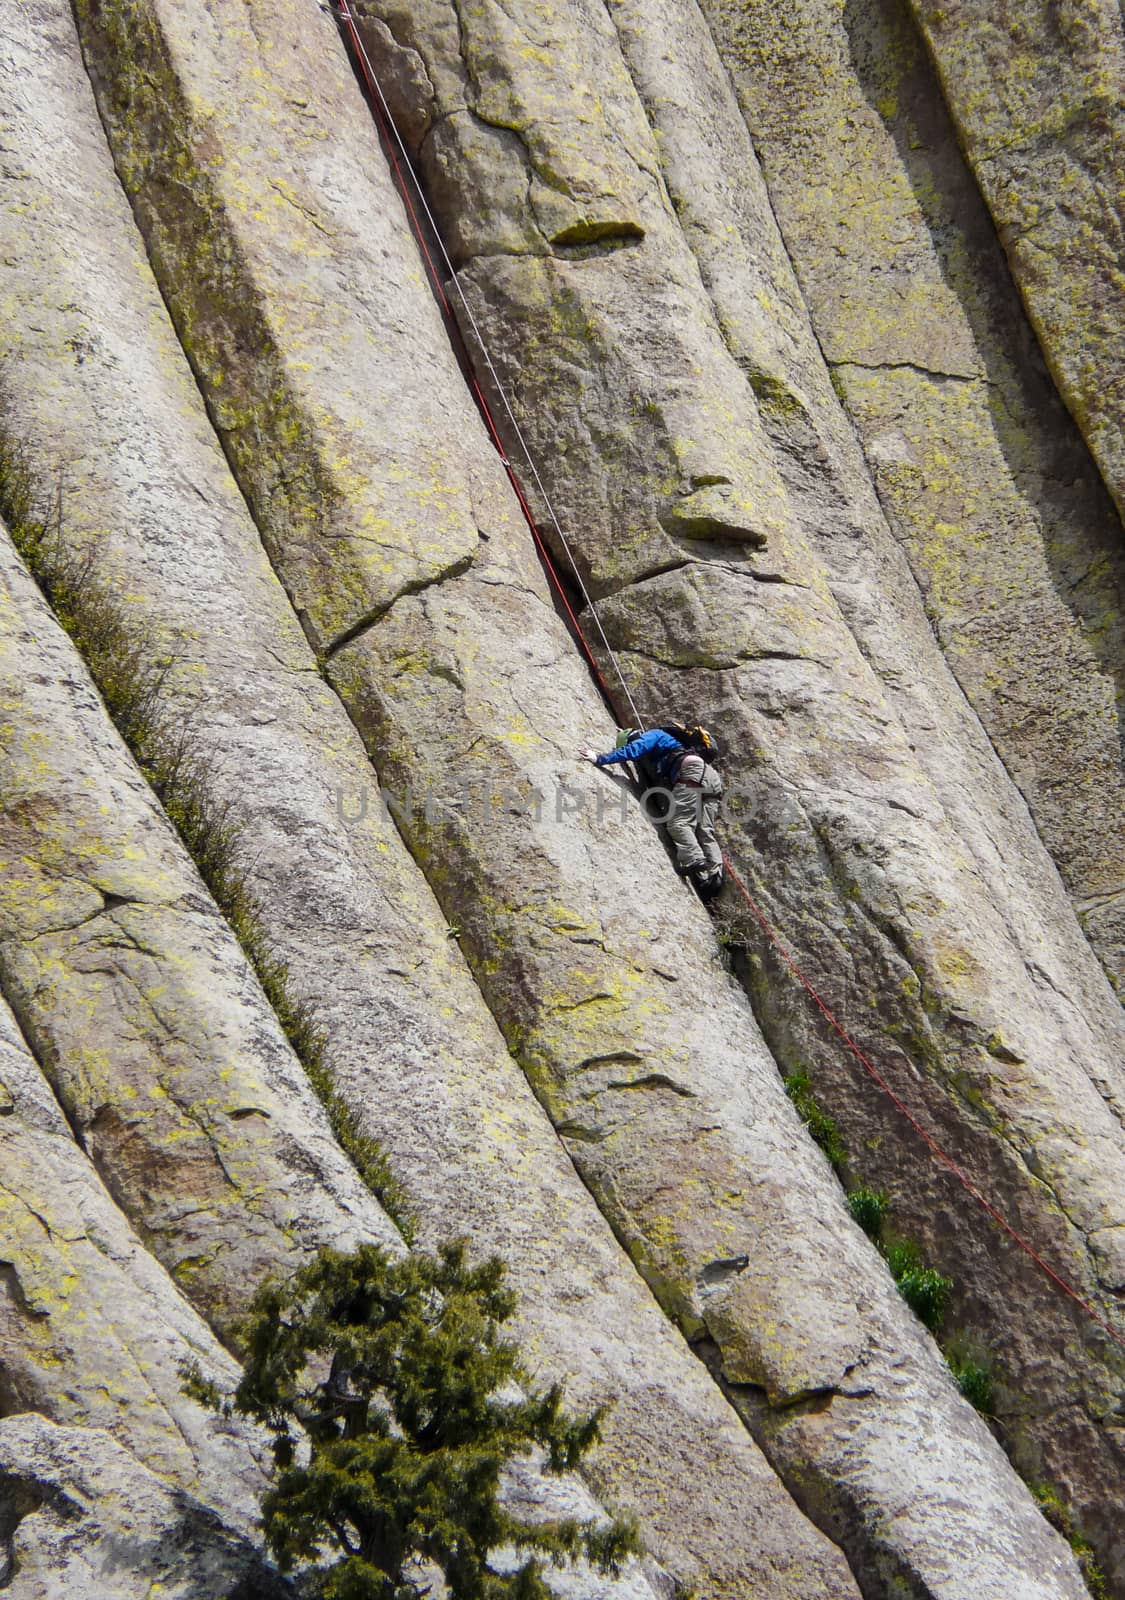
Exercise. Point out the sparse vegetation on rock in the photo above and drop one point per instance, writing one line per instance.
(754, 323)
(390, 1392)
(1051, 1504)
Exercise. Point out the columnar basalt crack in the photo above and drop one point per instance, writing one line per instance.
(135, 1027)
(430, 686)
(652, 1080)
(369, 619)
(840, 362)
(342, 897)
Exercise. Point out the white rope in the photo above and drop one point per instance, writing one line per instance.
(348, 16)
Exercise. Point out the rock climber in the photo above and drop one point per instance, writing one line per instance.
(678, 760)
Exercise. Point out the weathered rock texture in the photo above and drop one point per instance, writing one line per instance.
(92, 1331)
(138, 1002)
(1036, 92)
(888, 866)
(683, 1135)
(82, 1519)
(591, 170)
(409, 1041)
(1018, 550)
(140, 1482)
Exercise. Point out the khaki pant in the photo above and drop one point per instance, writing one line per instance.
(691, 821)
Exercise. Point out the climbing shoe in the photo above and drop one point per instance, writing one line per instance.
(707, 882)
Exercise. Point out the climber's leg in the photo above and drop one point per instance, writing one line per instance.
(683, 820)
(709, 844)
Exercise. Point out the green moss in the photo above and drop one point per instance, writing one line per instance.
(772, 393)
(154, 129)
(130, 666)
(1057, 1514)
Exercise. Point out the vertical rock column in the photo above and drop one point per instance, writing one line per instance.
(636, 1041)
(409, 1043)
(138, 1002)
(1017, 548)
(1035, 91)
(971, 993)
(93, 1332)
(724, 208)
(157, 1040)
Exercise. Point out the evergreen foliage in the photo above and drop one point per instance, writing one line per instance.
(391, 1395)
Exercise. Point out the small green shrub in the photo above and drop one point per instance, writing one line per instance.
(17, 500)
(926, 1293)
(381, 1382)
(822, 1127)
(903, 1256)
(974, 1379)
(924, 1289)
(869, 1208)
(972, 1365)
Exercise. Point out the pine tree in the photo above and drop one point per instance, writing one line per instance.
(391, 1395)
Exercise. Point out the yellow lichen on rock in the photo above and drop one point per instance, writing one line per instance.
(123, 976)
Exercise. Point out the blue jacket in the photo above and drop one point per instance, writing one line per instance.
(655, 743)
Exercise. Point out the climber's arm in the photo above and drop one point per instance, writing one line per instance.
(654, 739)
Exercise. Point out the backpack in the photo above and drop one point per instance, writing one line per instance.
(693, 737)
(661, 771)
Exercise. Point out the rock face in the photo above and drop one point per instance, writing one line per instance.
(408, 1039)
(429, 676)
(514, 995)
(138, 1002)
(130, 1481)
(82, 1297)
(860, 843)
(82, 1519)
(1035, 92)
(1015, 545)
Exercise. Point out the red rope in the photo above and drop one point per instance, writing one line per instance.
(545, 556)
(435, 277)
(927, 1138)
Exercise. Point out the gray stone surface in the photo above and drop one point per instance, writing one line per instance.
(92, 1332)
(1015, 545)
(878, 830)
(131, 989)
(1036, 92)
(82, 1519)
(410, 1042)
(1019, 567)
(670, 1107)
